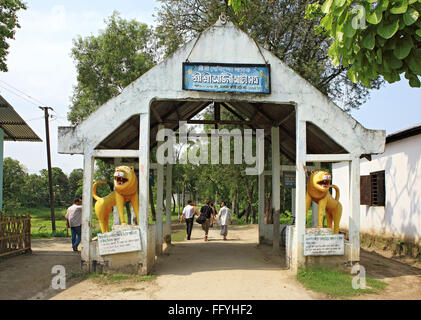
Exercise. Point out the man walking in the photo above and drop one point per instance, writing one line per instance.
(224, 219)
(189, 212)
(208, 213)
(74, 222)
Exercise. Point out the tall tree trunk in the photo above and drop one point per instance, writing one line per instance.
(247, 213)
(237, 201)
(250, 200)
(183, 196)
(152, 203)
(268, 204)
(175, 204)
(233, 203)
(178, 201)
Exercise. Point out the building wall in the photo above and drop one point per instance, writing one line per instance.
(401, 216)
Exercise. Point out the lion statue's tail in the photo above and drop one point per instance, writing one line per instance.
(337, 191)
(94, 189)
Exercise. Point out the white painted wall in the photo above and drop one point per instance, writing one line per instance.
(401, 215)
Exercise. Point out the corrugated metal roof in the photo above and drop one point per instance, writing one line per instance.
(14, 127)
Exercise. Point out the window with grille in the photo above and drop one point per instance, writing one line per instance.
(372, 189)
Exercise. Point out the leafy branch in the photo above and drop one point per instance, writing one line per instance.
(372, 38)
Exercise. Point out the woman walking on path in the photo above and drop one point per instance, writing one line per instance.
(224, 219)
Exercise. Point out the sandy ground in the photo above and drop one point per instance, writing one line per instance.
(29, 276)
(189, 270)
(216, 270)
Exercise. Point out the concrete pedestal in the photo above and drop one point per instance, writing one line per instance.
(331, 260)
(127, 262)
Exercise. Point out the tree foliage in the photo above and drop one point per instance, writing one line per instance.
(14, 175)
(61, 187)
(31, 190)
(8, 25)
(279, 26)
(107, 63)
(372, 38)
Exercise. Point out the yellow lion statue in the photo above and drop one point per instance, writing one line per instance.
(318, 186)
(125, 190)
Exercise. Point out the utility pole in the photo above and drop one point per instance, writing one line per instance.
(50, 175)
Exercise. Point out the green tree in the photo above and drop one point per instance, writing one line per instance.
(76, 183)
(8, 25)
(61, 187)
(372, 38)
(35, 191)
(107, 63)
(280, 27)
(104, 171)
(14, 176)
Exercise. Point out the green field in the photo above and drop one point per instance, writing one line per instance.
(41, 226)
(41, 221)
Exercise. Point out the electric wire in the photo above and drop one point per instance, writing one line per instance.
(32, 100)
(25, 94)
(20, 96)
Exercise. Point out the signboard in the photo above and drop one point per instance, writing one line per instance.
(121, 241)
(242, 78)
(289, 179)
(324, 245)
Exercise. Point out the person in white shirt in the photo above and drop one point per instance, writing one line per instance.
(188, 213)
(224, 219)
(74, 222)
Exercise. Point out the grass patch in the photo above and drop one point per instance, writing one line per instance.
(128, 289)
(178, 236)
(336, 283)
(44, 233)
(112, 278)
(150, 277)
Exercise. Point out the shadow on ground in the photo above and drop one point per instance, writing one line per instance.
(380, 267)
(30, 276)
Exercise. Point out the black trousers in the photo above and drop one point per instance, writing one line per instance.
(189, 224)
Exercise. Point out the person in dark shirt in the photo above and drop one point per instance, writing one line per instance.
(208, 213)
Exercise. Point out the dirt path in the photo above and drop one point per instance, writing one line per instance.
(217, 270)
(228, 270)
(29, 276)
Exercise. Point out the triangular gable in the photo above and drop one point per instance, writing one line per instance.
(221, 43)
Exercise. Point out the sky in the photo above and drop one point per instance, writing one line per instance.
(40, 66)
